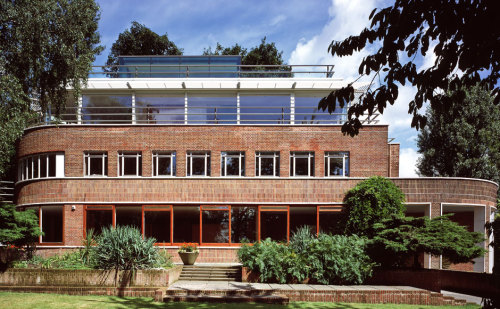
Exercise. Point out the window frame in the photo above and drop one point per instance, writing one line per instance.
(122, 154)
(240, 155)
(198, 154)
(98, 208)
(27, 166)
(156, 155)
(40, 213)
(302, 155)
(88, 155)
(330, 155)
(259, 155)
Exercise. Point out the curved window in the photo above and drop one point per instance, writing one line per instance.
(42, 166)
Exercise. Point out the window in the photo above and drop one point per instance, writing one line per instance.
(96, 163)
(302, 164)
(274, 222)
(265, 109)
(302, 216)
(41, 166)
(163, 163)
(307, 111)
(215, 224)
(98, 217)
(198, 163)
(243, 224)
(104, 108)
(232, 164)
(160, 109)
(267, 164)
(157, 223)
(336, 164)
(186, 224)
(210, 109)
(129, 163)
(129, 216)
(52, 224)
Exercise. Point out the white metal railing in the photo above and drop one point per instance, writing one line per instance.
(6, 191)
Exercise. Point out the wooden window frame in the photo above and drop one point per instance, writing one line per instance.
(274, 208)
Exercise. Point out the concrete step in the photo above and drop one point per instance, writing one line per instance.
(220, 272)
(210, 273)
(209, 279)
(241, 292)
(266, 299)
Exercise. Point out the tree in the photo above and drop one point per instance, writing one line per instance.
(140, 40)
(398, 238)
(260, 55)
(369, 202)
(466, 50)
(462, 140)
(15, 114)
(48, 46)
(18, 228)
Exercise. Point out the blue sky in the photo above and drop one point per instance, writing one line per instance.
(302, 29)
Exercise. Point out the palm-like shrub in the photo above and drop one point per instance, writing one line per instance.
(124, 248)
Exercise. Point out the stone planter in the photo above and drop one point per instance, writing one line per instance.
(188, 258)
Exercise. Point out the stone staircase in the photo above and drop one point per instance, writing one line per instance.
(211, 273)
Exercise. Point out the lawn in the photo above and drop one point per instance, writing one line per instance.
(33, 300)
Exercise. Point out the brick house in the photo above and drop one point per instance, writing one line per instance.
(200, 149)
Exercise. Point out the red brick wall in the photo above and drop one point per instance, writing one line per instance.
(369, 155)
(393, 160)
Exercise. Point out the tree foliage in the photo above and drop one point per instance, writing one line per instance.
(369, 202)
(399, 237)
(465, 34)
(18, 228)
(48, 45)
(140, 40)
(15, 114)
(462, 140)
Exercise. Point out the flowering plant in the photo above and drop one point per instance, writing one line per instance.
(188, 247)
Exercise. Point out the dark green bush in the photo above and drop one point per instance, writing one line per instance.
(68, 260)
(326, 259)
(124, 248)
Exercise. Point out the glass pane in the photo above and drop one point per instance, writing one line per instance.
(52, 165)
(129, 216)
(52, 224)
(157, 225)
(43, 166)
(266, 167)
(30, 168)
(69, 112)
(96, 166)
(232, 166)
(98, 219)
(307, 112)
(35, 167)
(198, 166)
(243, 224)
(328, 222)
(186, 224)
(273, 225)
(265, 109)
(164, 167)
(160, 109)
(107, 108)
(207, 110)
(336, 167)
(301, 167)
(302, 216)
(215, 226)
(130, 166)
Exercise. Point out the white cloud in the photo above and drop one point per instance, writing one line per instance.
(347, 17)
(278, 19)
(407, 162)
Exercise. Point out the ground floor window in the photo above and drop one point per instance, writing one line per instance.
(213, 224)
(51, 222)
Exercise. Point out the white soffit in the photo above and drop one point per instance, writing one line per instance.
(217, 84)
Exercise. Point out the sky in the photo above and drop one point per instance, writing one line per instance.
(302, 29)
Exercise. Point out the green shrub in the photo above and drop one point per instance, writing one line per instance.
(68, 260)
(327, 259)
(369, 202)
(124, 248)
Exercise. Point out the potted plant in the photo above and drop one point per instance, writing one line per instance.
(188, 253)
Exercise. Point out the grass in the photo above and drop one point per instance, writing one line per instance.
(34, 300)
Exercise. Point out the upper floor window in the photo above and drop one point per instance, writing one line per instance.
(129, 163)
(336, 164)
(42, 166)
(163, 163)
(233, 163)
(267, 164)
(96, 163)
(301, 164)
(198, 163)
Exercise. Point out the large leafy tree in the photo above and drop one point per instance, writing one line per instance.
(18, 228)
(140, 40)
(48, 45)
(397, 238)
(462, 139)
(467, 49)
(45, 46)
